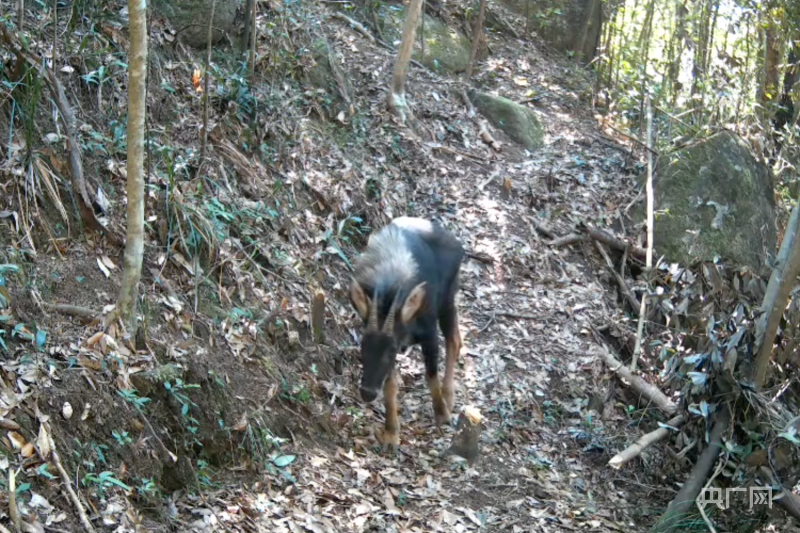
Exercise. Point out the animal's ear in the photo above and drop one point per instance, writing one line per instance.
(359, 299)
(413, 302)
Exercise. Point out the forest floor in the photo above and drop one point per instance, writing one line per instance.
(531, 316)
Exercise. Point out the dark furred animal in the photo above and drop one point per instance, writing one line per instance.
(405, 283)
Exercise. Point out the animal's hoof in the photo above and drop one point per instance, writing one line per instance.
(449, 398)
(443, 418)
(390, 441)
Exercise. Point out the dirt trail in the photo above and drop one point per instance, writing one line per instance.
(528, 362)
(527, 316)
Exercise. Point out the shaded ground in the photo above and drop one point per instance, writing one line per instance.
(285, 442)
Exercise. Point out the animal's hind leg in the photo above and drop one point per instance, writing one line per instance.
(452, 340)
(430, 349)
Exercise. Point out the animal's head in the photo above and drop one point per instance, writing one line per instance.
(383, 333)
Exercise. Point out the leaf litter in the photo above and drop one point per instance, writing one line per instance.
(528, 312)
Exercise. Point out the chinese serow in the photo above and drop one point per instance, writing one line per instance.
(405, 282)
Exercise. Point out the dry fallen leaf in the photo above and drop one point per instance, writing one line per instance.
(17, 440)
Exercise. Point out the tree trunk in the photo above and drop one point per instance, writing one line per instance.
(248, 14)
(134, 246)
(397, 96)
(768, 90)
(595, 6)
(676, 53)
(779, 288)
(204, 142)
(698, 66)
(784, 113)
(477, 34)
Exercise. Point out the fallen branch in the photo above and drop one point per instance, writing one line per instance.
(65, 477)
(615, 243)
(544, 230)
(634, 450)
(360, 28)
(522, 316)
(634, 139)
(13, 508)
(483, 258)
(72, 310)
(790, 503)
(567, 240)
(649, 391)
(626, 291)
(68, 118)
(356, 26)
(686, 497)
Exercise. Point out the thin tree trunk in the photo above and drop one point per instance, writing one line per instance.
(779, 288)
(205, 83)
(771, 72)
(580, 48)
(422, 34)
(397, 96)
(134, 245)
(698, 67)
(248, 14)
(644, 44)
(254, 37)
(20, 15)
(477, 34)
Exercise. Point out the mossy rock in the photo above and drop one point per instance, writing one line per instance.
(517, 121)
(561, 23)
(190, 18)
(326, 73)
(714, 199)
(446, 49)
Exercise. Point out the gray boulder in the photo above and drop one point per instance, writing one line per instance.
(190, 18)
(714, 199)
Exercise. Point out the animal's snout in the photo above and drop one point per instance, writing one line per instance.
(368, 394)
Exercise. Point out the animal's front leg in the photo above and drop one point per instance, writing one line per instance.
(391, 429)
(430, 350)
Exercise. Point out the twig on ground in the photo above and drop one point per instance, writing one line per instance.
(566, 240)
(71, 133)
(483, 258)
(615, 243)
(521, 316)
(488, 323)
(65, 478)
(13, 508)
(626, 291)
(649, 256)
(649, 391)
(634, 139)
(356, 26)
(691, 488)
(544, 230)
(72, 310)
(635, 449)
